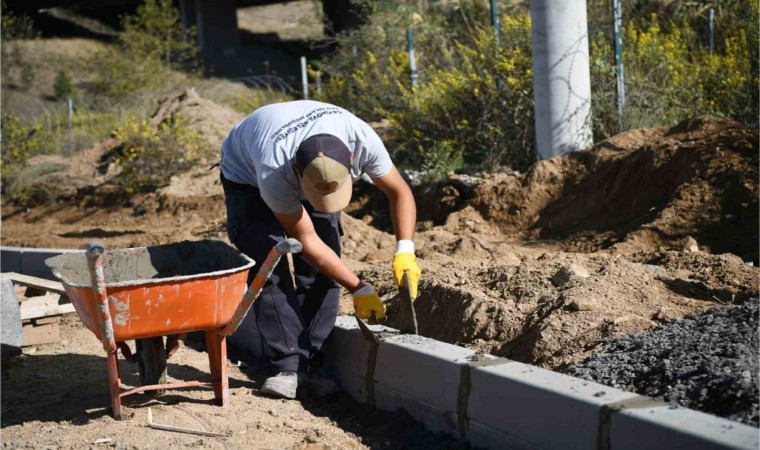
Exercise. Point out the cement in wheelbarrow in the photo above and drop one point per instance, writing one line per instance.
(160, 290)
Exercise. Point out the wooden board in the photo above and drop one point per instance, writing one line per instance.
(46, 320)
(20, 290)
(44, 306)
(35, 282)
(38, 334)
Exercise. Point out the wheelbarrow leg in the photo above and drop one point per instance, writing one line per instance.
(114, 383)
(216, 346)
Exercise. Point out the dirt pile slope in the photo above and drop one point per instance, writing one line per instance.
(213, 122)
(714, 367)
(643, 189)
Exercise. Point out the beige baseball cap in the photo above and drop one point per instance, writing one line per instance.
(323, 163)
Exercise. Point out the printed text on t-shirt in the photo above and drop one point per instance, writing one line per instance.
(302, 122)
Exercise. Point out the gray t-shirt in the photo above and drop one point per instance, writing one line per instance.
(260, 150)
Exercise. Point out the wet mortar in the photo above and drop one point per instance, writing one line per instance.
(156, 262)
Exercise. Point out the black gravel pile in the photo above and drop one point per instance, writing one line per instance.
(708, 362)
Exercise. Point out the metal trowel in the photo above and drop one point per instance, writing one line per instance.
(407, 315)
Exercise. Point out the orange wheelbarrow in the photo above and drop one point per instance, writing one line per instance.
(146, 293)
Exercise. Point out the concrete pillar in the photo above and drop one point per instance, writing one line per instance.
(187, 13)
(561, 80)
(217, 28)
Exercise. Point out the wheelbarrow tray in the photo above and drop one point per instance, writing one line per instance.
(159, 290)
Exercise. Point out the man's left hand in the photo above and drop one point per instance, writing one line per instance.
(406, 262)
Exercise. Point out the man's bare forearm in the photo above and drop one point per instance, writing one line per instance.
(403, 214)
(403, 207)
(324, 259)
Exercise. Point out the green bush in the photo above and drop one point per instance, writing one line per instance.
(473, 106)
(152, 47)
(62, 87)
(34, 185)
(479, 111)
(149, 156)
(21, 140)
(669, 77)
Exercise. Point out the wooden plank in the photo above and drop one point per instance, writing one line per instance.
(20, 290)
(35, 282)
(42, 334)
(44, 306)
(46, 320)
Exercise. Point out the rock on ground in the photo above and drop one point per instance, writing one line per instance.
(708, 363)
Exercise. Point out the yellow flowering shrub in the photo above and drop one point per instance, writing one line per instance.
(475, 112)
(20, 141)
(149, 156)
(669, 77)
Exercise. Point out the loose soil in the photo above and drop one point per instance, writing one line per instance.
(545, 267)
(57, 397)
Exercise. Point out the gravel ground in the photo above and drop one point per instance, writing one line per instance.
(708, 362)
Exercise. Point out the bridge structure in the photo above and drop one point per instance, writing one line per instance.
(217, 31)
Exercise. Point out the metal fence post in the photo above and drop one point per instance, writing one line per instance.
(304, 78)
(412, 59)
(617, 40)
(710, 30)
(69, 117)
(495, 21)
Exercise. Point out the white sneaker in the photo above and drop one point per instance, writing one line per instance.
(284, 385)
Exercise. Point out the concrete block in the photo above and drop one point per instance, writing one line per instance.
(539, 407)
(483, 436)
(678, 428)
(11, 336)
(423, 369)
(346, 357)
(33, 262)
(30, 261)
(434, 419)
(10, 259)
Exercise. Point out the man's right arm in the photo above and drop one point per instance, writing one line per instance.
(299, 226)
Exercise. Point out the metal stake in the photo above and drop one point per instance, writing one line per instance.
(618, 50)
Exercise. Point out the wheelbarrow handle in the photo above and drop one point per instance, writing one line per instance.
(288, 246)
(262, 276)
(94, 252)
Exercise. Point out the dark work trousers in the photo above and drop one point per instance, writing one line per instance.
(294, 317)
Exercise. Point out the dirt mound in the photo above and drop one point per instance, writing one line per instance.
(708, 363)
(213, 122)
(549, 309)
(643, 189)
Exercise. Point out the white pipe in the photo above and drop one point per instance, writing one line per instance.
(561, 80)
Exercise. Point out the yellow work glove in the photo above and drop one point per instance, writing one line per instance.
(406, 262)
(366, 302)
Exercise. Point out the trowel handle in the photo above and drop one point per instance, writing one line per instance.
(94, 252)
(262, 276)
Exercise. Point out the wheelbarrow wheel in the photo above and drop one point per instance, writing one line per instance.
(151, 358)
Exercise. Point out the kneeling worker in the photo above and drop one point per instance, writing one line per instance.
(287, 171)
